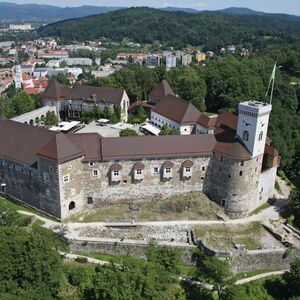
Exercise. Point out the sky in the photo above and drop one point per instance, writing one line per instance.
(273, 6)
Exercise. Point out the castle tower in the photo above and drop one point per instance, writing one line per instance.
(252, 126)
(18, 77)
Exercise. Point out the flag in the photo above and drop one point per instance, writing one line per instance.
(272, 79)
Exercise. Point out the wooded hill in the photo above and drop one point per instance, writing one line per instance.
(146, 25)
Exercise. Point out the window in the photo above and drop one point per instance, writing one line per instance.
(66, 179)
(71, 205)
(155, 170)
(202, 178)
(241, 173)
(188, 169)
(221, 158)
(260, 137)
(203, 168)
(229, 176)
(242, 163)
(245, 135)
(168, 170)
(91, 164)
(90, 200)
(139, 172)
(116, 173)
(95, 173)
(46, 177)
(50, 169)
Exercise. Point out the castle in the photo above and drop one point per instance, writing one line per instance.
(63, 174)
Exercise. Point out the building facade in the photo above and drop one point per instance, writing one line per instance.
(63, 174)
(75, 101)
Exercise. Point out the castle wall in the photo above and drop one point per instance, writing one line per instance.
(83, 182)
(34, 186)
(234, 184)
(266, 186)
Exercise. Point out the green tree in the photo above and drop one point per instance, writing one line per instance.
(51, 119)
(127, 132)
(22, 103)
(165, 256)
(292, 278)
(214, 270)
(31, 268)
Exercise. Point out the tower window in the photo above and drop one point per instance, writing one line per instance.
(242, 163)
(260, 137)
(241, 173)
(245, 135)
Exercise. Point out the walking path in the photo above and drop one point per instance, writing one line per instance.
(259, 276)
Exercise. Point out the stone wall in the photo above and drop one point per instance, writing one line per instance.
(264, 260)
(83, 182)
(234, 184)
(266, 185)
(137, 249)
(34, 186)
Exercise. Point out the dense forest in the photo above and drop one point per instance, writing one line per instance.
(177, 29)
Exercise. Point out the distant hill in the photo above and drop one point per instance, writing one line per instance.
(178, 29)
(239, 11)
(12, 12)
(174, 9)
(242, 11)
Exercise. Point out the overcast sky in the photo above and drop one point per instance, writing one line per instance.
(278, 6)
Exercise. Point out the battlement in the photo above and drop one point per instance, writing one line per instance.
(254, 107)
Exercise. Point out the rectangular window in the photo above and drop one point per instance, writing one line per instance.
(242, 163)
(139, 172)
(95, 172)
(155, 170)
(50, 169)
(188, 169)
(90, 200)
(203, 168)
(46, 177)
(66, 179)
(168, 170)
(116, 173)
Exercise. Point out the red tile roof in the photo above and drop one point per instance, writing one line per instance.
(178, 110)
(61, 148)
(162, 90)
(89, 93)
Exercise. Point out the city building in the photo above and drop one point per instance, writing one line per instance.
(170, 62)
(84, 98)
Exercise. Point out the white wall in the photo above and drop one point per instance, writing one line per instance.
(159, 120)
(254, 119)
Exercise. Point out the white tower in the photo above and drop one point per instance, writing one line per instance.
(253, 123)
(18, 77)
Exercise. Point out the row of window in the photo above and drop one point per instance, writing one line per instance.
(248, 113)
(116, 173)
(246, 135)
(15, 168)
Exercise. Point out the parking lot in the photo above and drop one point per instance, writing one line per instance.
(109, 130)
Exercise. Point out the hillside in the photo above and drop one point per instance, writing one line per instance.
(31, 12)
(146, 25)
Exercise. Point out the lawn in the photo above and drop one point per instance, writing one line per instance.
(225, 236)
(7, 204)
(191, 206)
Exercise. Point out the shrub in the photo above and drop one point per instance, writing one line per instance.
(81, 259)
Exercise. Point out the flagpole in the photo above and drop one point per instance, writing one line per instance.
(271, 96)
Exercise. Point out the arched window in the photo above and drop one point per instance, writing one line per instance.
(245, 135)
(260, 136)
(71, 205)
